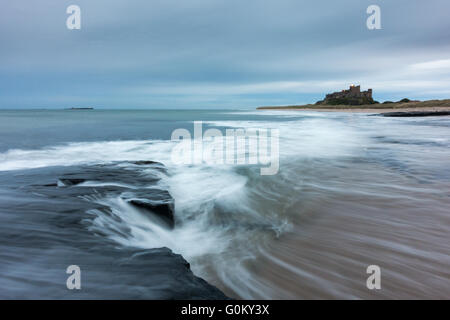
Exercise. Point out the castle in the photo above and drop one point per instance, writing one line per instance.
(351, 96)
(352, 92)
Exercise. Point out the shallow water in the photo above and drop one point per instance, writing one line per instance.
(353, 190)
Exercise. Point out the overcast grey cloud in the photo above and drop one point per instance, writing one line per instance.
(219, 54)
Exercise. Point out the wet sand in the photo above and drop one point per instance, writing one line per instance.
(327, 259)
(403, 228)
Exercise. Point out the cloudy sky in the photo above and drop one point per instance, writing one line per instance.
(219, 53)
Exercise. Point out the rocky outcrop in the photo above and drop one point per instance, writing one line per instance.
(139, 190)
(66, 182)
(146, 163)
(416, 114)
(62, 216)
(154, 202)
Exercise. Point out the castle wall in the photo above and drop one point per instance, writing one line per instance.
(352, 92)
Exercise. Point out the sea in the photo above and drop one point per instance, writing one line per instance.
(353, 190)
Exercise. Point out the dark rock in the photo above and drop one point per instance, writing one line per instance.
(70, 181)
(161, 210)
(146, 163)
(134, 186)
(50, 185)
(183, 283)
(109, 270)
(154, 201)
(110, 173)
(130, 185)
(416, 114)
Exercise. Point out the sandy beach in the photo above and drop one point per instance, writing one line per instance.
(363, 110)
(423, 106)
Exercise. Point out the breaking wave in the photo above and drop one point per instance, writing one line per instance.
(229, 215)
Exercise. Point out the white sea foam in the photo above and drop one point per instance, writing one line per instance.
(254, 204)
(309, 138)
(84, 153)
(192, 240)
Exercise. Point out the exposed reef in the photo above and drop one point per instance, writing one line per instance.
(87, 210)
(416, 114)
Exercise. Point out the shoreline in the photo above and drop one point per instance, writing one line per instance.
(424, 106)
(362, 110)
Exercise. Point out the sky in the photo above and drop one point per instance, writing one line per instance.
(219, 53)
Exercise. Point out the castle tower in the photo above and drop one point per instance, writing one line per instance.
(355, 91)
